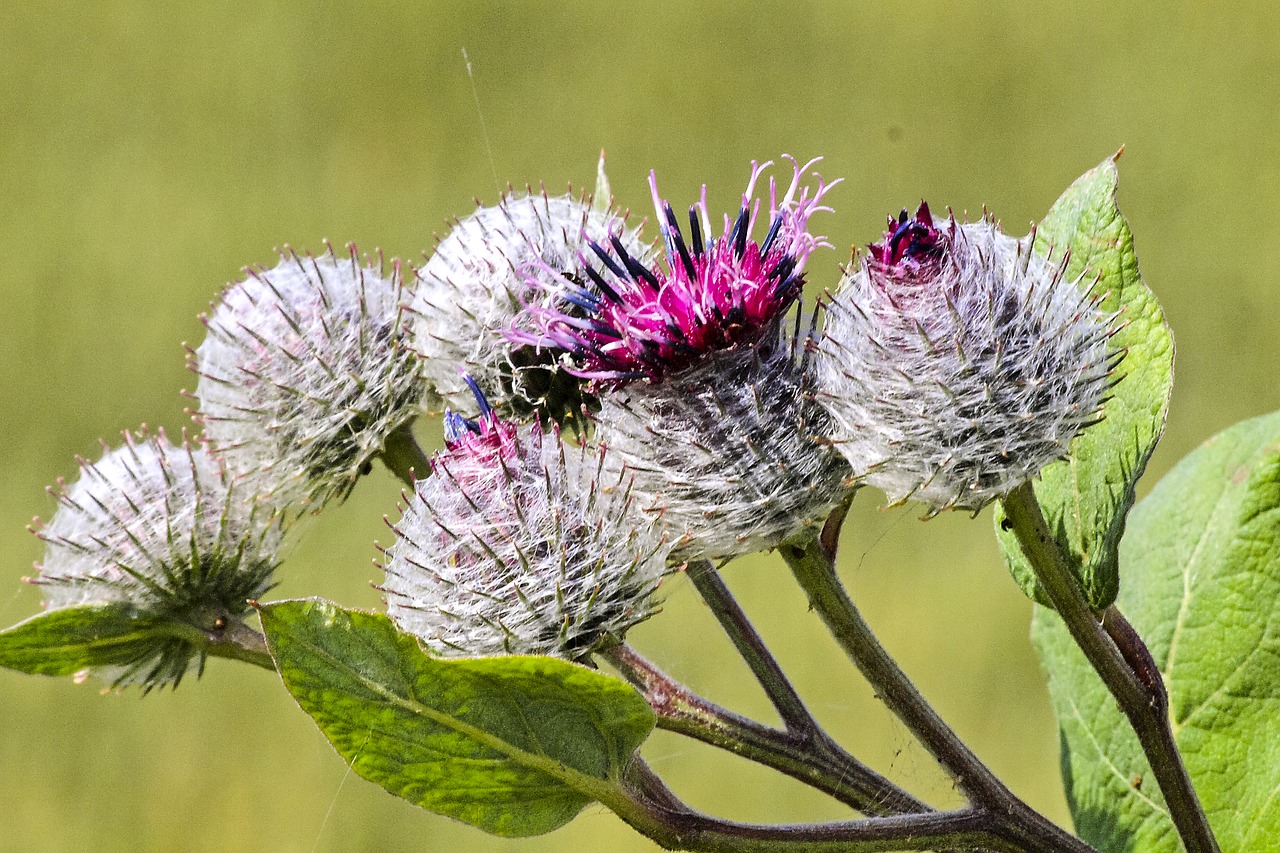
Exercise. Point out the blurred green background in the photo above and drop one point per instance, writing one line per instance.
(147, 153)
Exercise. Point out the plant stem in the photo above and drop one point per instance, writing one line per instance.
(242, 643)
(1122, 661)
(228, 638)
(404, 457)
(813, 564)
(750, 645)
(818, 762)
(653, 810)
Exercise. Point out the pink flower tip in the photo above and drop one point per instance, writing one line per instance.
(911, 245)
(630, 321)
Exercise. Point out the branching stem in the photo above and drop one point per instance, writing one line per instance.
(813, 564)
(652, 809)
(816, 761)
(750, 645)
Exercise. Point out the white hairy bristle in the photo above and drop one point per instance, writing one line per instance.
(727, 454)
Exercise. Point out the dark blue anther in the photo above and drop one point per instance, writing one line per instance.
(899, 233)
(637, 269)
(485, 409)
(609, 262)
(678, 239)
(771, 236)
(456, 426)
(695, 231)
(783, 268)
(739, 233)
(793, 282)
(584, 299)
(598, 281)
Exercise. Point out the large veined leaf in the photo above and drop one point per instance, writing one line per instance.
(1202, 585)
(1087, 496)
(514, 745)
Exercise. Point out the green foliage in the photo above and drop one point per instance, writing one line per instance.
(1087, 496)
(1202, 586)
(72, 639)
(514, 745)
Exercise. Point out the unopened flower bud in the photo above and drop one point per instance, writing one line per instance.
(305, 372)
(519, 544)
(477, 283)
(958, 362)
(159, 527)
(708, 404)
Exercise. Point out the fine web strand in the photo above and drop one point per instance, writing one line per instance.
(484, 127)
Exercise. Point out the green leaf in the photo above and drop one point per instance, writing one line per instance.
(1087, 496)
(1202, 586)
(70, 640)
(514, 745)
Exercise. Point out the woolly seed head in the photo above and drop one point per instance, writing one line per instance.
(159, 527)
(481, 276)
(305, 371)
(725, 455)
(628, 320)
(518, 544)
(958, 362)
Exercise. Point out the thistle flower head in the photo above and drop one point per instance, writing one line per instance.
(958, 362)
(477, 283)
(726, 454)
(708, 406)
(159, 527)
(305, 371)
(633, 321)
(518, 544)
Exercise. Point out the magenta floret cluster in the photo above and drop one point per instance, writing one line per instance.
(632, 321)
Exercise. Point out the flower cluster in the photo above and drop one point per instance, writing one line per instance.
(159, 527)
(958, 362)
(482, 275)
(954, 364)
(517, 544)
(305, 372)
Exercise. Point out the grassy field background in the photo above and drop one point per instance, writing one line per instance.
(148, 153)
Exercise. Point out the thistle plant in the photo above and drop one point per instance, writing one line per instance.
(157, 534)
(952, 365)
(958, 362)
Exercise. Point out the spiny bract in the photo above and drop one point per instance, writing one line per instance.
(305, 372)
(519, 544)
(159, 527)
(958, 362)
(480, 279)
(725, 454)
